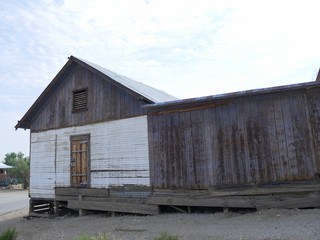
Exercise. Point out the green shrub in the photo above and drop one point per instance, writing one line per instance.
(9, 234)
(166, 236)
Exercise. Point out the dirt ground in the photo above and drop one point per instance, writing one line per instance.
(266, 224)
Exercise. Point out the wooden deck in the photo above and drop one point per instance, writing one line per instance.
(144, 201)
(297, 195)
(117, 199)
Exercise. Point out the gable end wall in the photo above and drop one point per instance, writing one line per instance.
(106, 102)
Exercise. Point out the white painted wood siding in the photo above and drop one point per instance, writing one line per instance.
(118, 155)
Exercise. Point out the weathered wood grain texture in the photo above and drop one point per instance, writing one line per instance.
(313, 99)
(286, 195)
(115, 192)
(117, 199)
(267, 138)
(126, 207)
(105, 102)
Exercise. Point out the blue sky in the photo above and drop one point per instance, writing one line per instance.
(187, 48)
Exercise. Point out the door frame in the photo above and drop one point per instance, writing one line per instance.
(81, 137)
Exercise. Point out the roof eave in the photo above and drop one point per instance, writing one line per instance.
(23, 124)
(240, 94)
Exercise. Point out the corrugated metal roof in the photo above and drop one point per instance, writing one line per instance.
(146, 91)
(246, 93)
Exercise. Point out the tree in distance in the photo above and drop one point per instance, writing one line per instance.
(20, 170)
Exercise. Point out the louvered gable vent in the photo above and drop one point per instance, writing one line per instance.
(80, 100)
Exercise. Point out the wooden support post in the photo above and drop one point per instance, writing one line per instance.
(189, 209)
(81, 211)
(31, 206)
(56, 208)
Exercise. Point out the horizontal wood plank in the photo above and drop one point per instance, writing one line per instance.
(305, 202)
(236, 202)
(267, 190)
(114, 207)
(98, 192)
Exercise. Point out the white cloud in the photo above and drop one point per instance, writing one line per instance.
(187, 48)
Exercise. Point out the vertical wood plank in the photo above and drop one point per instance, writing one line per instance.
(242, 113)
(228, 147)
(222, 177)
(152, 139)
(283, 169)
(291, 161)
(313, 97)
(236, 158)
(266, 163)
(84, 161)
(197, 142)
(273, 155)
(163, 152)
(73, 166)
(253, 142)
(210, 145)
(173, 148)
(187, 153)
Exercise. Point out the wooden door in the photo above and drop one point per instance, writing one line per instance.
(79, 166)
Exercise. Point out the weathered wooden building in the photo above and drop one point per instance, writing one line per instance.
(258, 148)
(88, 133)
(101, 141)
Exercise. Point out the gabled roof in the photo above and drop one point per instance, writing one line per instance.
(137, 89)
(150, 93)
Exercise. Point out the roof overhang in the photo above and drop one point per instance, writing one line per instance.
(221, 99)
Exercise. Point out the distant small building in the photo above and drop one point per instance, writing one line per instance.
(4, 178)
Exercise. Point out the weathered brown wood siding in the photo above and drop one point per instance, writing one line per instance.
(264, 138)
(105, 102)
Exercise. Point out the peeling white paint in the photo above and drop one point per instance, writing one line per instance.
(118, 155)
